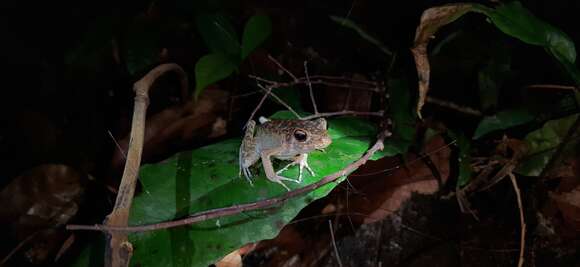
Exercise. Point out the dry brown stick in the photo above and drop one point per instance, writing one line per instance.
(118, 251)
(552, 86)
(334, 244)
(237, 209)
(344, 112)
(310, 87)
(282, 67)
(522, 221)
(303, 80)
(18, 247)
(450, 105)
(268, 91)
(282, 102)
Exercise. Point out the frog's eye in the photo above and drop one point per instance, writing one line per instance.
(300, 135)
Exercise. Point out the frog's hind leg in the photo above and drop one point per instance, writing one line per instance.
(247, 154)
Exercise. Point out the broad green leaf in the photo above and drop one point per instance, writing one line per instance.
(219, 35)
(403, 118)
(257, 30)
(517, 21)
(542, 144)
(207, 178)
(502, 120)
(353, 26)
(210, 69)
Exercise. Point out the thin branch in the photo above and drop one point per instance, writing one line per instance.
(552, 86)
(310, 87)
(18, 247)
(324, 80)
(344, 112)
(282, 67)
(268, 91)
(280, 101)
(522, 221)
(334, 244)
(450, 105)
(237, 209)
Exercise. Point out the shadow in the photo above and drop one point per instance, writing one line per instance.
(182, 245)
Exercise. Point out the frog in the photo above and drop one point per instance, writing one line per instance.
(283, 139)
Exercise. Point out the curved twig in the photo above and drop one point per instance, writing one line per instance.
(119, 250)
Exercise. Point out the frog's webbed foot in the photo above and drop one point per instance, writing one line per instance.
(279, 179)
(247, 174)
(302, 160)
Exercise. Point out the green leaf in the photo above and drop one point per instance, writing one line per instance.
(257, 30)
(219, 35)
(517, 21)
(207, 178)
(542, 144)
(347, 23)
(210, 69)
(503, 120)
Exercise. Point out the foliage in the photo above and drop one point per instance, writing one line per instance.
(207, 178)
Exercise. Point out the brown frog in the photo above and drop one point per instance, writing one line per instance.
(281, 139)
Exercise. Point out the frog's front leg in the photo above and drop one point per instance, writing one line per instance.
(302, 160)
(269, 169)
(247, 154)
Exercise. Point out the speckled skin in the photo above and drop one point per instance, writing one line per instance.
(281, 139)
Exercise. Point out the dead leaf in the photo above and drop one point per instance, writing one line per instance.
(431, 20)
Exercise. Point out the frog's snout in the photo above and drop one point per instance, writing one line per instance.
(326, 141)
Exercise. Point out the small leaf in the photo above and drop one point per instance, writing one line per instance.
(503, 120)
(542, 144)
(219, 35)
(210, 69)
(347, 23)
(257, 30)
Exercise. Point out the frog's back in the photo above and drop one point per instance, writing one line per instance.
(272, 134)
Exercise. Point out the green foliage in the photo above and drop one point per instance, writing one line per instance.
(227, 53)
(210, 69)
(347, 23)
(503, 120)
(207, 178)
(219, 35)
(542, 144)
(256, 32)
(517, 21)
(403, 119)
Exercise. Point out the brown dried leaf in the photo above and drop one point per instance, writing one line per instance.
(431, 20)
